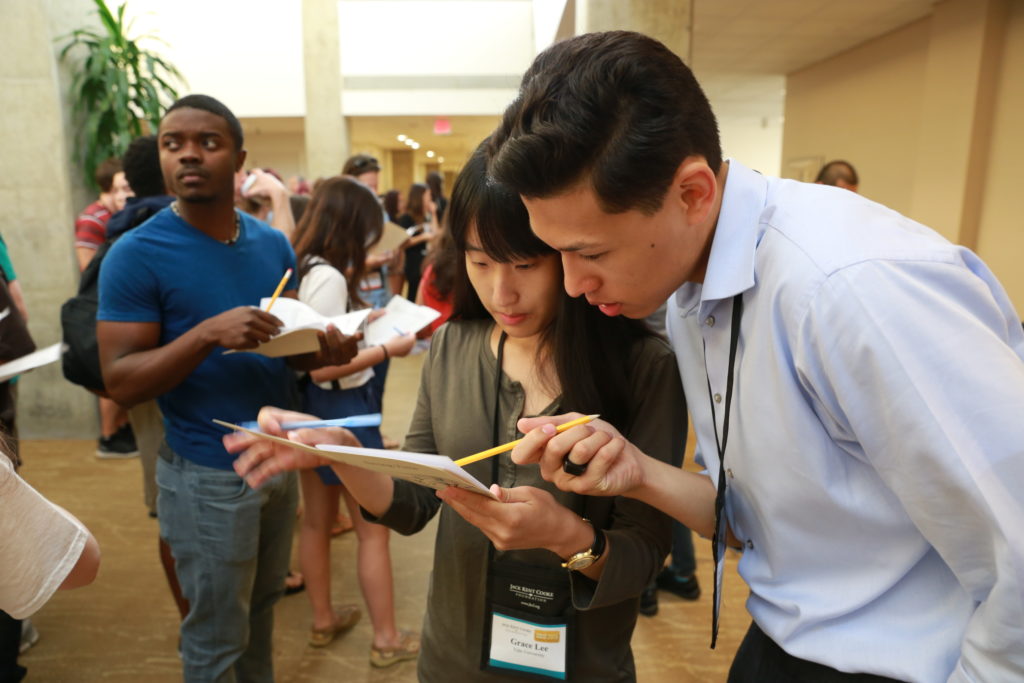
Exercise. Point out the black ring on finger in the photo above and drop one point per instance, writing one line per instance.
(572, 468)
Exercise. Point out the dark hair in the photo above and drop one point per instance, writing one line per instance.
(360, 164)
(589, 351)
(105, 173)
(414, 202)
(298, 203)
(618, 110)
(215, 107)
(391, 198)
(443, 258)
(436, 184)
(837, 170)
(342, 220)
(141, 163)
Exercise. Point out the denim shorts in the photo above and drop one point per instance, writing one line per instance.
(334, 403)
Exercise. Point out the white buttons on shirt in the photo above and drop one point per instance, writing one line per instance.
(718, 398)
(728, 471)
(709, 321)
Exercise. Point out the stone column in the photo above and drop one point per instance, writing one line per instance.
(326, 133)
(666, 20)
(41, 192)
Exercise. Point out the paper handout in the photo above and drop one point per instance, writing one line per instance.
(401, 316)
(391, 238)
(434, 471)
(36, 359)
(301, 325)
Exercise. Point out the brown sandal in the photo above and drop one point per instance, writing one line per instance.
(345, 617)
(408, 648)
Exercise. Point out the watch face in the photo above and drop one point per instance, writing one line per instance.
(578, 563)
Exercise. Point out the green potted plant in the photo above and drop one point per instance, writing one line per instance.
(119, 89)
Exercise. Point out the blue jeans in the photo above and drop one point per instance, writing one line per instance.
(231, 546)
(683, 562)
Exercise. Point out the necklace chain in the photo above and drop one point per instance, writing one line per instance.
(238, 224)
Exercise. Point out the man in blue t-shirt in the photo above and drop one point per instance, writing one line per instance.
(175, 294)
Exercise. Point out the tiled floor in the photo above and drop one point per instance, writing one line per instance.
(123, 628)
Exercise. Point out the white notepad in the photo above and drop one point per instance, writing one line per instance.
(401, 316)
(302, 326)
(434, 471)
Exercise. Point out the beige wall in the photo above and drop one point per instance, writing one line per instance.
(929, 114)
(1001, 237)
(863, 106)
(285, 152)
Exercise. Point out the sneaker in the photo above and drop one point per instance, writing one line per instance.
(120, 444)
(29, 636)
(408, 648)
(685, 587)
(649, 601)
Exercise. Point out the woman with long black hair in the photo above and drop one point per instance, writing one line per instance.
(539, 581)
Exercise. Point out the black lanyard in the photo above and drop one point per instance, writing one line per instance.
(718, 539)
(497, 404)
(495, 433)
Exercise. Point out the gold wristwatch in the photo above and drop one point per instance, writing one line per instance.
(585, 558)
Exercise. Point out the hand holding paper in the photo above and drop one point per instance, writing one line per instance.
(401, 317)
(521, 518)
(301, 327)
(270, 450)
(435, 471)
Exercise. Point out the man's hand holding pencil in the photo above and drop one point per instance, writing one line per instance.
(604, 462)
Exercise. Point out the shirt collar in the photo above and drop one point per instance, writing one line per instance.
(731, 261)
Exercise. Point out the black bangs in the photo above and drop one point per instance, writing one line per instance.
(501, 221)
(503, 226)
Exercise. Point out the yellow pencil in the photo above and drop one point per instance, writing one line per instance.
(483, 455)
(280, 287)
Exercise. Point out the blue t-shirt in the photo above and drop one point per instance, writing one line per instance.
(168, 272)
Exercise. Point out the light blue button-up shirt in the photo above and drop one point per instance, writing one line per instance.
(875, 461)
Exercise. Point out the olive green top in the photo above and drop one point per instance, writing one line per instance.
(454, 417)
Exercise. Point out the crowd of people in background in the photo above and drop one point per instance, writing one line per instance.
(333, 225)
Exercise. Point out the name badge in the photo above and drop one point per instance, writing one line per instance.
(530, 622)
(528, 647)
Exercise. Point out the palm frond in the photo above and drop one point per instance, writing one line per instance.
(118, 87)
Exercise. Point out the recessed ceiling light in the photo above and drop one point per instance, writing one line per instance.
(440, 160)
(415, 145)
(401, 137)
(430, 153)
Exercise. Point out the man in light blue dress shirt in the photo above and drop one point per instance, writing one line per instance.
(855, 379)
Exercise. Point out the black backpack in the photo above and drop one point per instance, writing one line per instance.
(81, 361)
